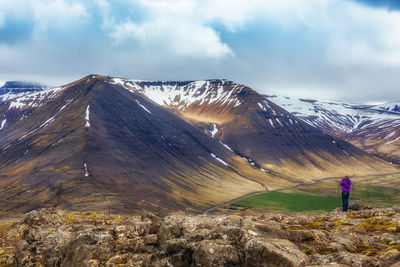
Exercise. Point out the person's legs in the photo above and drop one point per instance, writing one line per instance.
(345, 200)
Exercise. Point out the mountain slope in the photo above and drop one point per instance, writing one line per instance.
(128, 146)
(92, 144)
(257, 129)
(373, 128)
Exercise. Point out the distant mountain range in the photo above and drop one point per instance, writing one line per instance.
(373, 128)
(13, 89)
(131, 145)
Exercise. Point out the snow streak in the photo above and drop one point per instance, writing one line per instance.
(87, 124)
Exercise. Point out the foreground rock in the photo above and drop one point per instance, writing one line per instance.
(59, 238)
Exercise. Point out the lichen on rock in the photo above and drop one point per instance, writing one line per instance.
(51, 237)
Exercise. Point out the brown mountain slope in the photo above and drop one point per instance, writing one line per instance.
(107, 143)
(96, 145)
(258, 130)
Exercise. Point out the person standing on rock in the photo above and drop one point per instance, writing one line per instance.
(345, 183)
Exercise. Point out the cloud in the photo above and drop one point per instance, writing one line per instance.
(178, 37)
(365, 36)
(330, 48)
(59, 14)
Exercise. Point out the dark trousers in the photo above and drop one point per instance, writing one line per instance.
(345, 200)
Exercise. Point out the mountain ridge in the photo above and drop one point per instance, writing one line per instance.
(98, 144)
(373, 128)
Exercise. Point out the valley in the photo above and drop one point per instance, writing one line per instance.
(123, 145)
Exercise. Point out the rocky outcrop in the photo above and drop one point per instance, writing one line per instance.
(52, 237)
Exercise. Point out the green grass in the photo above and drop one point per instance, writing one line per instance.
(290, 201)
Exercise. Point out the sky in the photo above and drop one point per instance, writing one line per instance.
(344, 50)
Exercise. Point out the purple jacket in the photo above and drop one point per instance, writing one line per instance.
(345, 185)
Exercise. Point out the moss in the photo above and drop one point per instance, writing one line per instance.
(72, 216)
(325, 250)
(351, 250)
(372, 225)
(307, 251)
(368, 252)
(5, 227)
(117, 218)
(337, 223)
(291, 227)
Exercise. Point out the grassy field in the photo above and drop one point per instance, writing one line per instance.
(372, 191)
(290, 201)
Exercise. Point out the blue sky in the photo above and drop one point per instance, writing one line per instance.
(332, 49)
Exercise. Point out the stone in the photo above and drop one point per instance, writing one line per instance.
(151, 239)
(273, 252)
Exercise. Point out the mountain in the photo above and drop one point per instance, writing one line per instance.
(12, 89)
(130, 145)
(255, 128)
(373, 128)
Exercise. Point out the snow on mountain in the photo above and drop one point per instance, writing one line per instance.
(338, 117)
(16, 107)
(391, 106)
(183, 94)
(33, 99)
(12, 89)
(374, 128)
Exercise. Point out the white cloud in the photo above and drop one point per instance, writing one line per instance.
(179, 37)
(365, 36)
(58, 13)
(331, 44)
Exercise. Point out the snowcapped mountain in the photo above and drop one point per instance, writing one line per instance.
(374, 128)
(133, 145)
(251, 126)
(391, 106)
(12, 89)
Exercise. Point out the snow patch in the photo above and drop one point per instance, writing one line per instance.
(227, 147)
(3, 122)
(271, 122)
(214, 131)
(183, 94)
(118, 81)
(386, 137)
(262, 107)
(393, 140)
(143, 107)
(279, 121)
(86, 170)
(220, 160)
(87, 124)
(34, 99)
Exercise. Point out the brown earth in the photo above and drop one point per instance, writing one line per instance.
(51, 237)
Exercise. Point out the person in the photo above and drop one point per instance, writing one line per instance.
(345, 183)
